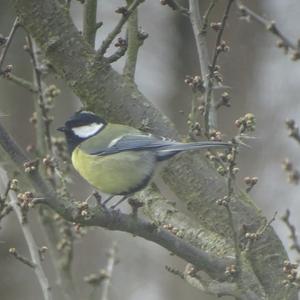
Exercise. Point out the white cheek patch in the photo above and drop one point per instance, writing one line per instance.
(86, 131)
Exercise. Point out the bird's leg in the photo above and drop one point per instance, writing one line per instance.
(107, 200)
(119, 202)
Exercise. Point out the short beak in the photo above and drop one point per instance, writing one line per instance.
(62, 129)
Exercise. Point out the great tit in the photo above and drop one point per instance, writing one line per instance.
(118, 159)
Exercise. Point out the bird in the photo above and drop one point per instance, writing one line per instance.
(117, 159)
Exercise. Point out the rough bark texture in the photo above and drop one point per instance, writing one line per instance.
(191, 177)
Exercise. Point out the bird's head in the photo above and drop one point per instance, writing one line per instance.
(81, 126)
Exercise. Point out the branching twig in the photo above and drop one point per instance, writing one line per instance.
(212, 68)
(270, 26)
(8, 75)
(106, 43)
(8, 41)
(33, 249)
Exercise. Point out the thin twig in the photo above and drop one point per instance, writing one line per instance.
(269, 26)
(109, 270)
(8, 41)
(206, 15)
(21, 258)
(21, 82)
(45, 120)
(262, 230)
(32, 246)
(106, 43)
(208, 116)
(232, 157)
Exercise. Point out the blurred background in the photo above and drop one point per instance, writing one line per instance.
(263, 81)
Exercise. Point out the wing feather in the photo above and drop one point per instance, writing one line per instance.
(134, 142)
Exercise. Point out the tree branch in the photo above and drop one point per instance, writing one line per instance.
(21, 82)
(198, 26)
(32, 246)
(270, 26)
(106, 43)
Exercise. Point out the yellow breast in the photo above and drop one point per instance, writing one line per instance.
(118, 174)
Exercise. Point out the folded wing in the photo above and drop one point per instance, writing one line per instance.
(163, 147)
